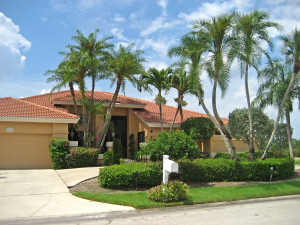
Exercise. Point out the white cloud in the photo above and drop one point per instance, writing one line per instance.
(163, 4)
(118, 33)
(84, 5)
(157, 24)
(159, 46)
(43, 19)
(208, 10)
(11, 44)
(45, 91)
(156, 64)
(119, 18)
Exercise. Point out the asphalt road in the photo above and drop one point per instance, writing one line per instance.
(279, 210)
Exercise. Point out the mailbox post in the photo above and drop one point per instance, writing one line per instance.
(169, 166)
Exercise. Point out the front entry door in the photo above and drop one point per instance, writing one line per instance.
(120, 125)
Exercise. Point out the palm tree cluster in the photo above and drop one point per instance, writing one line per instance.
(211, 46)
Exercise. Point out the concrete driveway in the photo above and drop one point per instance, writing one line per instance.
(40, 193)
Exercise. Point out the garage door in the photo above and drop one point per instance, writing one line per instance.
(24, 151)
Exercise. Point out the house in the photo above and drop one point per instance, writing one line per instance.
(27, 125)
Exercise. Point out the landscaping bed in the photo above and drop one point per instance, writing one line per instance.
(92, 185)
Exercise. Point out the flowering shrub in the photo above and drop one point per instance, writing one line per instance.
(58, 149)
(173, 191)
(81, 157)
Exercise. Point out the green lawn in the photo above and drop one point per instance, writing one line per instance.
(297, 161)
(139, 200)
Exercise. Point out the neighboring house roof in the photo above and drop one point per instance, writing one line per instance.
(147, 111)
(12, 109)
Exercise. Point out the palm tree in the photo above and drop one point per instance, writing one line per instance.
(160, 80)
(123, 65)
(291, 50)
(217, 31)
(251, 32)
(63, 76)
(275, 80)
(193, 45)
(181, 80)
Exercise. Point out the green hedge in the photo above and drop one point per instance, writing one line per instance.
(206, 170)
(82, 157)
(124, 175)
(58, 149)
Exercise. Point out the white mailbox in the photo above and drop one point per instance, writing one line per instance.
(169, 166)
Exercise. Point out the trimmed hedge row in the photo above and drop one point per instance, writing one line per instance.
(229, 170)
(199, 170)
(124, 175)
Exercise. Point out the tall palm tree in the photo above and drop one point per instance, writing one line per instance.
(192, 46)
(182, 81)
(252, 30)
(291, 49)
(123, 65)
(159, 79)
(217, 30)
(275, 80)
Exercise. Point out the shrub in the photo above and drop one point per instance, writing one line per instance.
(173, 191)
(81, 157)
(124, 175)
(108, 158)
(198, 127)
(117, 150)
(206, 170)
(178, 145)
(58, 149)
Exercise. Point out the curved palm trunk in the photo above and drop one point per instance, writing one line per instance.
(230, 150)
(108, 115)
(251, 147)
(289, 132)
(73, 96)
(264, 156)
(222, 126)
(174, 118)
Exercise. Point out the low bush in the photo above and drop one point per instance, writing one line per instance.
(205, 170)
(178, 145)
(58, 149)
(82, 157)
(173, 191)
(124, 175)
(108, 158)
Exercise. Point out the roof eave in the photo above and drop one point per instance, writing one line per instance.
(157, 125)
(118, 105)
(37, 120)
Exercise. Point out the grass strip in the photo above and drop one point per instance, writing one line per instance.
(140, 200)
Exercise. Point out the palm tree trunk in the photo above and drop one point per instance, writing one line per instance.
(251, 147)
(228, 146)
(73, 96)
(222, 126)
(174, 119)
(160, 117)
(289, 132)
(90, 120)
(108, 115)
(264, 156)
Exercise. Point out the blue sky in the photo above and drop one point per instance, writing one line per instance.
(32, 32)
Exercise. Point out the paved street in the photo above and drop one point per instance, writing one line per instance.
(280, 210)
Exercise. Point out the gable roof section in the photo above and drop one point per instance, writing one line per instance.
(146, 111)
(12, 109)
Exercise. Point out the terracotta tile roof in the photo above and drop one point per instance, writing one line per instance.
(12, 107)
(149, 114)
